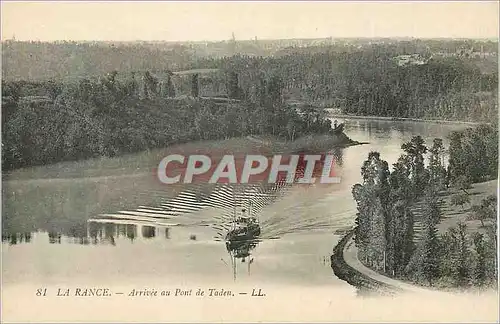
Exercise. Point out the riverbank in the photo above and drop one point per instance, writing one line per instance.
(353, 276)
(130, 165)
(346, 266)
(435, 121)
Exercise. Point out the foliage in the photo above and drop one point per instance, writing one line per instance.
(460, 199)
(487, 210)
(362, 79)
(473, 155)
(372, 197)
(110, 116)
(384, 222)
(437, 171)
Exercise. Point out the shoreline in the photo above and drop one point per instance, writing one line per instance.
(142, 162)
(352, 276)
(403, 119)
(347, 267)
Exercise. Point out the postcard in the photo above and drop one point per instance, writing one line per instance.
(249, 162)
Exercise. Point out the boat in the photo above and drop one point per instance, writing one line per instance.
(243, 228)
(243, 236)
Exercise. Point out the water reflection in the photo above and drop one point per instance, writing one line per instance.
(338, 155)
(241, 249)
(15, 238)
(54, 238)
(95, 233)
(62, 207)
(148, 231)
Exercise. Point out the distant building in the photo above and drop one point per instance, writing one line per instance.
(410, 59)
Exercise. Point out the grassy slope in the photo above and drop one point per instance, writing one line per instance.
(452, 215)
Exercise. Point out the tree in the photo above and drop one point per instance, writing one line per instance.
(131, 87)
(369, 168)
(170, 86)
(430, 243)
(486, 210)
(448, 253)
(456, 256)
(102, 116)
(401, 244)
(474, 154)
(206, 124)
(479, 271)
(149, 84)
(167, 88)
(430, 264)
(362, 196)
(462, 256)
(415, 149)
(491, 243)
(374, 218)
(437, 172)
(489, 134)
(463, 183)
(195, 86)
(432, 210)
(378, 237)
(54, 89)
(234, 90)
(275, 91)
(460, 199)
(457, 165)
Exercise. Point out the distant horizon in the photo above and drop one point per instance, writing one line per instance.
(401, 38)
(215, 21)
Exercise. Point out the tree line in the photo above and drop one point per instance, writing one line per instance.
(356, 77)
(106, 117)
(386, 221)
(36, 60)
(368, 81)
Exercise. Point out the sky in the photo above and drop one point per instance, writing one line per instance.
(193, 21)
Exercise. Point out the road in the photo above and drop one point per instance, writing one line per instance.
(351, 258)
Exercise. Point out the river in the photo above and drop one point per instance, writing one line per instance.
(175, 241)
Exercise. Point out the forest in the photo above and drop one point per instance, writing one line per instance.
(107, 117)
(38, 61)
(70, 101)
(385, 231)
(369, 82)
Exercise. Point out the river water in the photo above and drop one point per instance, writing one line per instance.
(175, 241)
